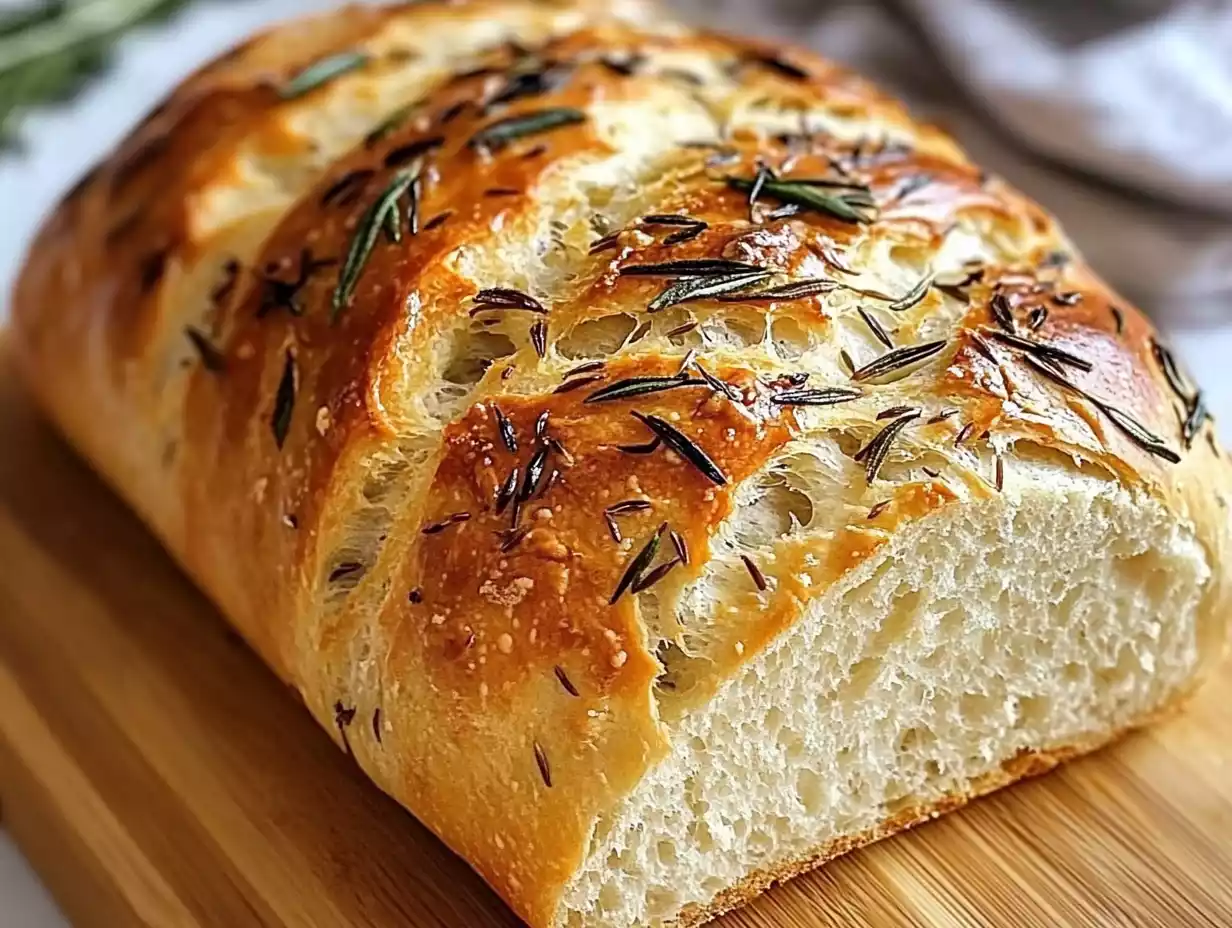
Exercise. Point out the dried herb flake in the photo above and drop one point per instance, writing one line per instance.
(284, 401)
(684, 446)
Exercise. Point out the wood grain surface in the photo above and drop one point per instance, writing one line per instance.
(156, 774)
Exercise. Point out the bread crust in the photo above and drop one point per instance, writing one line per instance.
(297, 457)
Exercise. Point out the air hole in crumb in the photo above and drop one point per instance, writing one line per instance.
(1034, 711)
(776, 510)
(912, 257)
(811, 791)
(473, 353)
(596, 338)
(735, 330)
(791, 339)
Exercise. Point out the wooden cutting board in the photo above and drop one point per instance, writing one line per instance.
(156, 774)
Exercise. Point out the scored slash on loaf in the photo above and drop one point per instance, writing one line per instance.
(661, 463)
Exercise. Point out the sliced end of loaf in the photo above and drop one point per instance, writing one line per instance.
(983, 644)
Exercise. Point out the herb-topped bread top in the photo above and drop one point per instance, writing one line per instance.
(487, 329)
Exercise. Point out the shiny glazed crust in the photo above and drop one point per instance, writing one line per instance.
(322, 459)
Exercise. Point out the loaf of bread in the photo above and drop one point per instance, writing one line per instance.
(660, 462)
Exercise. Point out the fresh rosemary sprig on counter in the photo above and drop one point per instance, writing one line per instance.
(49, 51)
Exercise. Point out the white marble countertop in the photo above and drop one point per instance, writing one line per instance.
(65, 142)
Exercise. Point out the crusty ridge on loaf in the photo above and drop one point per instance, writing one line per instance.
(659, 461)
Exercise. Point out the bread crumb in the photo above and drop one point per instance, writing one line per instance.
(619, 658)
(504, 643)
(509, 595)
(324, 421)
(258, 489)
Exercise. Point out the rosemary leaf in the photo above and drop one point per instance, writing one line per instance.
(686, 234)
(1040, 349)
(898, 359)
(545, 769)
(875, 327)
(1147, 440)
(322, 72)
(530, 81)
(639, 564)
(364, 240)
(565, 681)
(669, 219)
(508, 434)
(815, 396)
(684, 446)
(284, 401)
(406, 154)
(1194, 420)
(759, 579)
(693, 267)
(393, 223)
(503, 131)
(913, 296)
(876, 451)
(389, 124)
(699, 288)
(849, 206)
(717, 384)
(1171, 370)
(508, 298)
(639, 386)
(999, 307)
(780, 65)
(792, 290)
(759, 182)
(647, 580)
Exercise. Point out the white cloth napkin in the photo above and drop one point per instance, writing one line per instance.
(1116, 115)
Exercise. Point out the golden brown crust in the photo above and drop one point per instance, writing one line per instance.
(320, 456)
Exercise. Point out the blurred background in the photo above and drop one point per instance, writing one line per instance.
(1116, 114)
